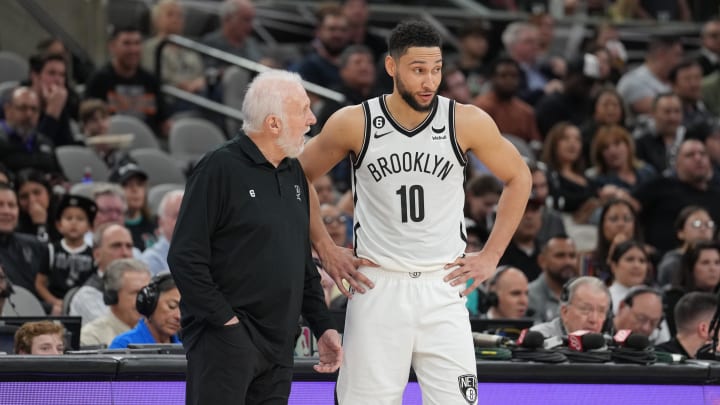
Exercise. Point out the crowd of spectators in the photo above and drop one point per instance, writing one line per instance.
(629, 150)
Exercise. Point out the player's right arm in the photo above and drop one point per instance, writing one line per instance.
(341, 135)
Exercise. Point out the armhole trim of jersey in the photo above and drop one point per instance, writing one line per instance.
(366, 136)
(453, 138)
(355, 237)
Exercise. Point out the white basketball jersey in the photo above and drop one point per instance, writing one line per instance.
(408, 190)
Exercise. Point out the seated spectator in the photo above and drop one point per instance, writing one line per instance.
(614, 163)
(523, 250)
(482, 193)
(122, 282)
(709, 54)
(521, 43)
(325, 189)
(95, 120)
(663, 198)
(78, 70)
(639, 87)
(17, 301)
(512, 115)
(473, 49)
(59, 104)
(22, 256)
(37, 206)
(159, 304)
(571, 191)
(335, 223)
(112, 205)
(21, 145)
(137, 216)
(551, 47)
(552, 221)
(710, 88)
(692, 225)
(235, 33)
(607, 36)
(712, 145)
(693, 314)
(641, 311)
(321, 65)
(357, 13)
(686, 79)
(573, 103)
(156, 255)
(558, 261)
(584, 305)
(125, 86)
(629, 268)
(618, 222)
(507, 295)
(700, 271)
(607, 111)
(71, 260)
(454, 86)
(40, 338)
(662, 11)
(111, 242)
(181, 67)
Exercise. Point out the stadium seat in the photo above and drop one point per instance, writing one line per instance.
(13, 67)
(156, 193)
(127, 124)
(159, 166)
(75, 160)
(190, 138)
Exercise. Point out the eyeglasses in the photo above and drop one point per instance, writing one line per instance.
(587, 309)
(340, 219)
(643, 319)
(697, 224)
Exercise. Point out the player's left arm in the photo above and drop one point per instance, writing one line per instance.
(477, 132)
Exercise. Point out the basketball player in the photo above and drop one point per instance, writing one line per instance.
(408, 153)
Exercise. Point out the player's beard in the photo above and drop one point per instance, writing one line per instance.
(288, 145)
(410, 100)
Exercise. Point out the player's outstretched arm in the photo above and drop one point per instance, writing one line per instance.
(477, 132)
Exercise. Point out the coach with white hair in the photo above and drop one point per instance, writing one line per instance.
(240, 255)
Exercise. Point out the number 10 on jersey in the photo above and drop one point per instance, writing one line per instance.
(412, 201)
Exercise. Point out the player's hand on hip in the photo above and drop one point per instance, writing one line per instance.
(341, 265)
(476, 266)
(330, 351)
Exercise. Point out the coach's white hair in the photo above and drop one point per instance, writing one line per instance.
(265, 96)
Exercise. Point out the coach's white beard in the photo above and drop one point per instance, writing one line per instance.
(288, 145)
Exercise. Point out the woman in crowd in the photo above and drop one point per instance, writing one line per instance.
(693, 224)
(614, 162)
(629, 268)
(607, 110)
(618, 222)
(37, 204)
(700, 271)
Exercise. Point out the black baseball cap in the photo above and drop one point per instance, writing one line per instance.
(84, 203)
(126, 171)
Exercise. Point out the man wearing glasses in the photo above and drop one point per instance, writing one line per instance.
(584, 305)
(21, 145)
(641, 311)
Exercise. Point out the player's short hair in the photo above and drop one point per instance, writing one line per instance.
(413, 33)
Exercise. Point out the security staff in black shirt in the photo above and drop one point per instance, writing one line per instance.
(240, 256)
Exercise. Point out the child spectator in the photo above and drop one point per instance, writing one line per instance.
(71, 260)
(43, 337)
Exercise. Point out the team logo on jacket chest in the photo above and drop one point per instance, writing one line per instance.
(408, 162)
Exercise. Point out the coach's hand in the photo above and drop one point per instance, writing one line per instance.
(478, 266)
(340, 264)
(330, 351)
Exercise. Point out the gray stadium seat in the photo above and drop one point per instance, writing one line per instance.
(234, 82)
(127, 124)
(74, 160)
(156, 193)
(13, 67)
(190, 138)
(159, 166)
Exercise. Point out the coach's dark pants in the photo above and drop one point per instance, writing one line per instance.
(225, 367)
